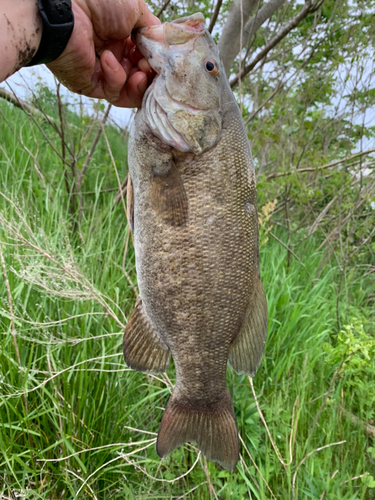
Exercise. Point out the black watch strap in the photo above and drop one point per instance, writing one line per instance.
(58, 21)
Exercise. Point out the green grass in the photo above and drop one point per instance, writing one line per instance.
(87, 431)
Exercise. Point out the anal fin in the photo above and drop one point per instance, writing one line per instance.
(246, 351)
(143, 349)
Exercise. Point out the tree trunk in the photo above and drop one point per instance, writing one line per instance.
(229, 43)
(255, 22)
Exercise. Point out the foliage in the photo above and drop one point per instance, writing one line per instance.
(354, 350)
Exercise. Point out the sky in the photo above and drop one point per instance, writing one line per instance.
(24, 81)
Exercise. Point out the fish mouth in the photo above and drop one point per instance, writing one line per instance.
(157, 43)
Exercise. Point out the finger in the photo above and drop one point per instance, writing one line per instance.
(126, 61)
(114, 76)
(133, 60)
(132, 94)
(137, 59)
(131, 55)
(117, 47)
(146, 18)
(135, 55)
(127, 66)
(117, 22)
(144, 66)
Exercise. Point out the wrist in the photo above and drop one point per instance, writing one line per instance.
(31, 28)
(58, 21)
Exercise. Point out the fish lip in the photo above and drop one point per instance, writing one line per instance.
(137, 36)
(196, 27)
(157, 40)
(145, 29)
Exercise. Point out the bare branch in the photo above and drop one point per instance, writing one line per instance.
(27, 108)
(20, 104)
(229, 43)
(289, 250)
(266, 12)
(121, 191)
(94, 144)
(228, 46)
(215, 15)
(321, 216)
(274, 41)
(328, 165)
(78, 183)
(163, 7)
(264, 103)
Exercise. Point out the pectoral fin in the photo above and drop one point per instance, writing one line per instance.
(143, 349)
(130, 203)
(168, 196)
(246, 351)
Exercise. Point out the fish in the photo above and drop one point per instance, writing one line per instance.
(192, 208)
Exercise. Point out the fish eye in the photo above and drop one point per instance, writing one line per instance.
(211, 67)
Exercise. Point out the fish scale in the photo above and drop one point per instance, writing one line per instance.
(193, 189)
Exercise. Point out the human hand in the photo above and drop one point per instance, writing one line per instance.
(100, 59)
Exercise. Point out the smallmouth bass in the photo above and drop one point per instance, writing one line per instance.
(192, 208)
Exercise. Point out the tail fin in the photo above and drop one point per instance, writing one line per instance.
(214, 428)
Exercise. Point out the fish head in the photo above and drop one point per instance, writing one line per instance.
(189, 85)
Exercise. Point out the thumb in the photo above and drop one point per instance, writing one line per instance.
(146, 17)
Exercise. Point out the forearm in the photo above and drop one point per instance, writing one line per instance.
(20, 34)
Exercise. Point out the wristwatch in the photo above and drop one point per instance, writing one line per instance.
(58, 21)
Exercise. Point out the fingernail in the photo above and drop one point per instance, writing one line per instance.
(142, 85)
(144, 65)
(112, 62)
